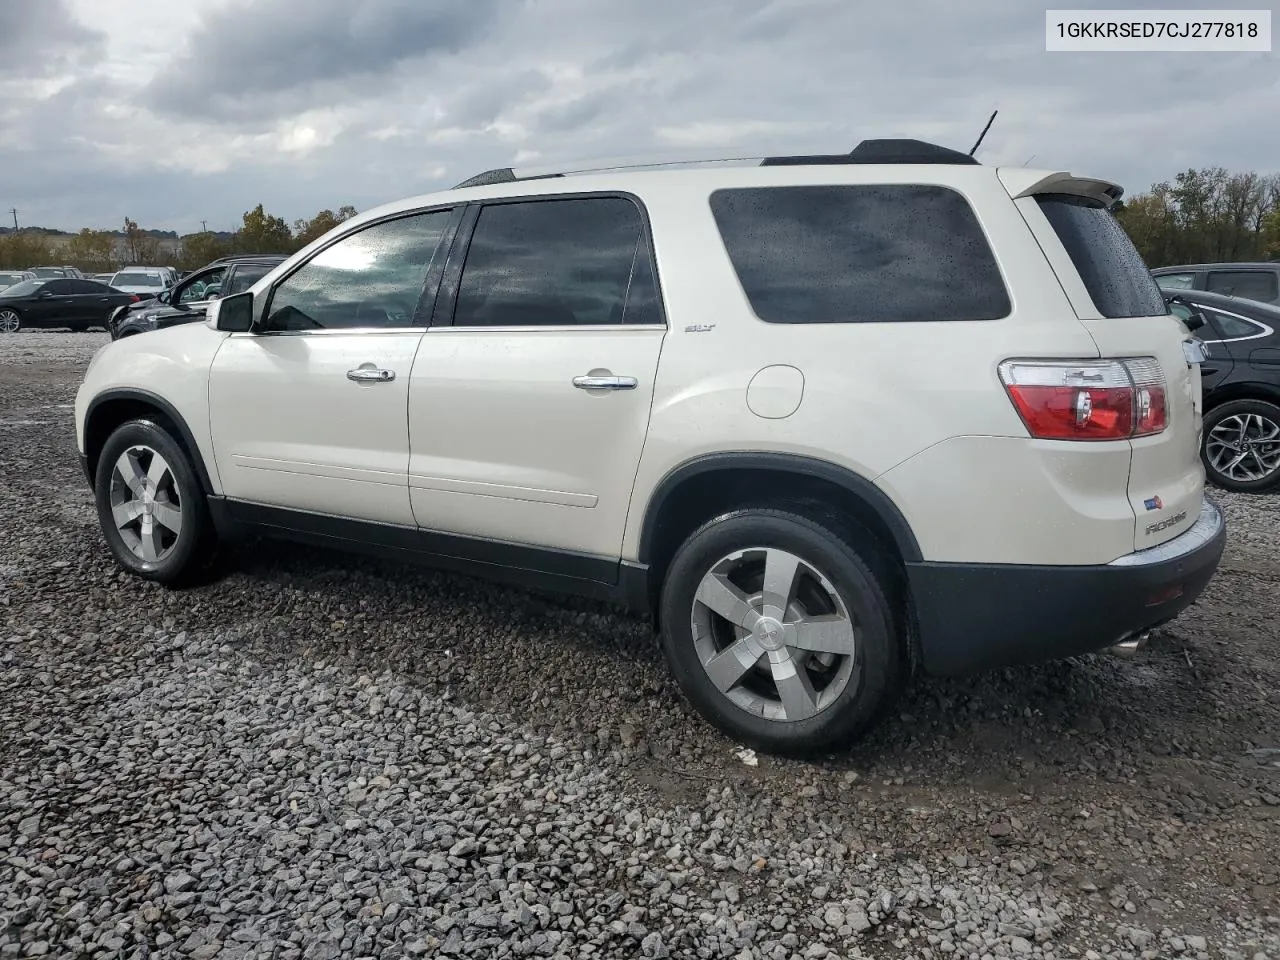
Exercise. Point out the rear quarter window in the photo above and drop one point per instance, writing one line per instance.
(1114, 273)
(860, 253)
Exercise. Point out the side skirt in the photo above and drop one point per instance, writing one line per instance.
(558, 571)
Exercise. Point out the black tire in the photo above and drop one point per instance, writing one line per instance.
(1266, 418)
(193, 550)
(859, 575)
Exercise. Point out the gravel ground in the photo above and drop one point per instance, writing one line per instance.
(317, 756)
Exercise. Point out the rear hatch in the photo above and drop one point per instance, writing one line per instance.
(1118, 302)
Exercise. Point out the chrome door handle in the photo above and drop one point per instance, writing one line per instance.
(605, 383)
(370, 375)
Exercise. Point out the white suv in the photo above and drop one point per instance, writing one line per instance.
(826, 418)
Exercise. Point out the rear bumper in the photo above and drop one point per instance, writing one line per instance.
(973, 617)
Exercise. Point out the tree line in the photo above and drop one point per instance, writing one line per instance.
(101, 251)
(1206, 216)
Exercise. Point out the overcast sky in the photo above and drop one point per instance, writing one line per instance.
(174, 111)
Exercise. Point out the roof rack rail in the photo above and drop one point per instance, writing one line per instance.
(868, 151)
(880, 151)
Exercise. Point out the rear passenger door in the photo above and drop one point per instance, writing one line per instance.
(530, 397)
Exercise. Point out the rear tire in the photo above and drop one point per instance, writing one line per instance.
(1241, 449)
(795, 677)
(153, 512)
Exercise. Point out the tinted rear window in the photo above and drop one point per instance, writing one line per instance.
(1250, 284)
(1114, 273)
(860, 253)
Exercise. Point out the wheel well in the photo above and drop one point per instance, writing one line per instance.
(1242, 391)
(106, 415)
(711, 493)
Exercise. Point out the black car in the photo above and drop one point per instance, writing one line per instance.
(1241, 382)
(59, 302)
(188, 300)
(1254, 281)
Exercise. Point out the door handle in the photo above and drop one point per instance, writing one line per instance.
(605, 383)
(370, 374)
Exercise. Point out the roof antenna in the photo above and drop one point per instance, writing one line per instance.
(983, 134)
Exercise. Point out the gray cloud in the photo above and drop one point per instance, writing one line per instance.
(40, 37)
(304, 110)
(273, 53)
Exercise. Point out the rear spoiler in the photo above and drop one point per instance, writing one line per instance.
(1029, 183)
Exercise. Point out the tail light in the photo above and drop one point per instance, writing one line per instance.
(134, 298)
(1088, 399)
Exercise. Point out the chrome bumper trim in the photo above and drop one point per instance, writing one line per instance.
(1206, 527)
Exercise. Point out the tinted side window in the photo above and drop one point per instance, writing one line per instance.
(557, 263)
(1249, 284)
(1232, 328)
(1111, 268)
(59, 288)
(1176, 281)
(245, 275)
(85, 287)
(859, 253)
(371, 278)
(194, 289)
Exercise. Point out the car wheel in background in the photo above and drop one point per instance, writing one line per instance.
(10, 322)
(1242, 445)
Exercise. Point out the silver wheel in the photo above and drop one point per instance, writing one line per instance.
(1244, 447)
(773, 634)
(10, 322)
(145, 503)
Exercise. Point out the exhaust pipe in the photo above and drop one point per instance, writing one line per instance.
(1130, 646)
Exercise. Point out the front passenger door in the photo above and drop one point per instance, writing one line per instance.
(309, 411)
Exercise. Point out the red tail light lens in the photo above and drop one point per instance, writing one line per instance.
(134, 298)
(1087, 399)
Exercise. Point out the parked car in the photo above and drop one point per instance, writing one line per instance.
(187, 301)
(822, 417)
(58, 302)
(9, 277)
(63, 271)
(1241, 382)
(143, 281)
(103, 277)
(1252, 281)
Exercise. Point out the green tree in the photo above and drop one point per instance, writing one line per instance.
(20, 250)
(92, 250)
(305, 231)
(139, 247)
(200, 248)
(263, 233)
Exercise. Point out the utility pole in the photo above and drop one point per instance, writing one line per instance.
(14, 211)
(204, 225)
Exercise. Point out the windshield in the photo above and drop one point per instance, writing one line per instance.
(6, 279)
(137, 280)
(49, 272)
(24, 289)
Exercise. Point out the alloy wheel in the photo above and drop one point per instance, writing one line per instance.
(10, 322)
(773, 634)
(1244, 447)
(146, 504)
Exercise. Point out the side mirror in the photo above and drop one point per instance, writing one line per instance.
(235, 313)
(1196, 320)
(44, 292)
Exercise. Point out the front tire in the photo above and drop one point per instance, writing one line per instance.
(1241, 450)
(10, 322)
(151, 507)
(780, 632)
